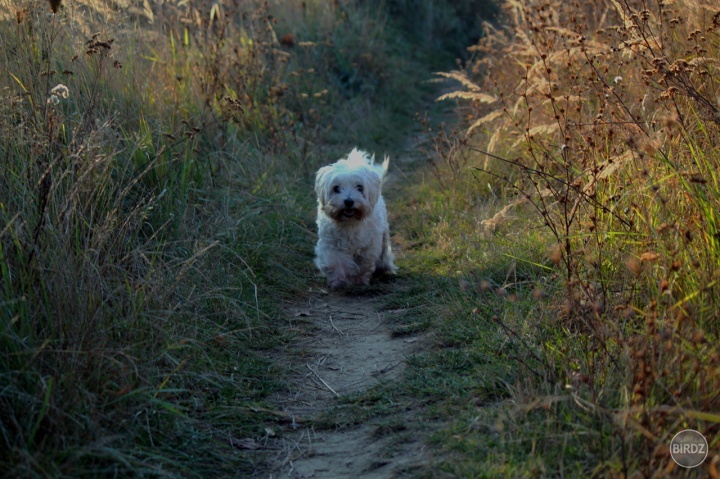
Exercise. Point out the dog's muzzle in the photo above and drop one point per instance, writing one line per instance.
(345, 214)
(349, 211)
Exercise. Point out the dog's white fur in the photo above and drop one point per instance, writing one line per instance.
(353, 230)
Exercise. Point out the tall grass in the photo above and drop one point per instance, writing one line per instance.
(603, 118)
(153, 190)
(156, 212)
(107, 310)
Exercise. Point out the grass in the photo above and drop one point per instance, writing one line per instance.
(562, 249)
(582, 319)
(559, 250)
(154, 212)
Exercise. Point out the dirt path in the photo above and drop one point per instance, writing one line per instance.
(348, 348)
(344, 346)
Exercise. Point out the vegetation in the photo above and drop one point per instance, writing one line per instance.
(155, 212)
(596, 122)
(559, 248)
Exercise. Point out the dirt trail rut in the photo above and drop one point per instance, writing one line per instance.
(348, 347)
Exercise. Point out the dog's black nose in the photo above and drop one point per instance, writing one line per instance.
(349, 203)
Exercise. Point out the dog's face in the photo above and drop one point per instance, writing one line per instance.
(347, 191)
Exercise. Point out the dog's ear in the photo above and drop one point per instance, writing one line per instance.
(321, 182)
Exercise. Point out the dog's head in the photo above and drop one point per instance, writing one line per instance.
(349, 189)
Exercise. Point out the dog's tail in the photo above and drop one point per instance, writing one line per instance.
(359, 157)
(381, 168)
(384, 166)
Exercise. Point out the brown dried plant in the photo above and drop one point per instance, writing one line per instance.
(607, 114)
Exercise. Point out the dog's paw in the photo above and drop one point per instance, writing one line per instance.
(364, 279)
(336, 284)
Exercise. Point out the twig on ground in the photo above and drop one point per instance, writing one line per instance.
(322, 380)
(335, 327)
(386, 369)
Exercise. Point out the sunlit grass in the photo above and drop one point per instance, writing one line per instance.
(604, 126)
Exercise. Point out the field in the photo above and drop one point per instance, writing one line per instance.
(553, 198)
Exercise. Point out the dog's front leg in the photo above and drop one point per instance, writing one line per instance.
(364, 268)
(337, 281)
(364, 279)
(340, 270)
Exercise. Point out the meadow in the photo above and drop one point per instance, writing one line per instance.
(558, 243)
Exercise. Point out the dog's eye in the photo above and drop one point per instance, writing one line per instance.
(360, 188)
(336, 189)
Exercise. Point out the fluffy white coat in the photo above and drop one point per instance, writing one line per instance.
(353, 230)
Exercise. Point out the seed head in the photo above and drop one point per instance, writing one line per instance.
(649, 256)
(634, 265)
(555, 253)
(61, 91)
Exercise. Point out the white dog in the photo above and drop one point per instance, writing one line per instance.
(353, 230)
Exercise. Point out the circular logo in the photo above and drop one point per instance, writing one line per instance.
(688, 448)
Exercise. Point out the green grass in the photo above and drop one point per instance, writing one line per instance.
(470, 366)
(607, 274)
(153, 222)
(464, 291)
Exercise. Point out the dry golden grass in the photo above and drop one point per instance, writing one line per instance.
(605, 116)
